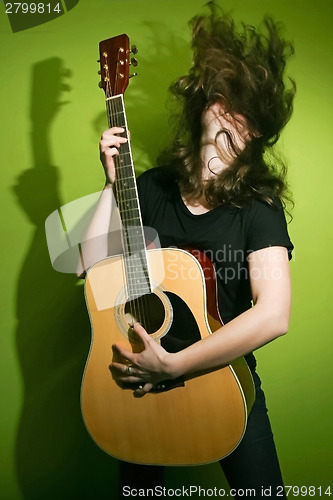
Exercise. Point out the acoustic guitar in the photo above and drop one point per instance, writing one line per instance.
(192, 420)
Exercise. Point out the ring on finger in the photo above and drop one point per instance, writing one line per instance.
(128, 370)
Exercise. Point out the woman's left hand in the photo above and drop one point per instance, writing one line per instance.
(146, 368)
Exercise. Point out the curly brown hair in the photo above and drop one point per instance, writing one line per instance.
(243, 70)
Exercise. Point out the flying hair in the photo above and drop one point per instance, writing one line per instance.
(243, 69)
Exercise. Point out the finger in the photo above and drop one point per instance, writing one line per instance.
(142, 334)
(109, 152)
(111, 136)
(119, 368)
(111, 142)
(112, 131)
(124, 353)
(143, 390)
(127, 379)
(123, 374)
(125, 370)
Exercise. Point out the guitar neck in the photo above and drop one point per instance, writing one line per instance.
(126, 193)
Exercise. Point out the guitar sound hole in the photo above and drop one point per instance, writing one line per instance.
(148, 310)
(184, 330)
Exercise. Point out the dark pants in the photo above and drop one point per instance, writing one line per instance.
(252, 466)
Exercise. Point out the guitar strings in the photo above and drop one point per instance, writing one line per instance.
(136, 242)
(113, 122)
(133, 247)
(138, 303)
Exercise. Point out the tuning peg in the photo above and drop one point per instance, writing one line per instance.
(134, 74)
(134, 49)
(100, 84)
(99, 72)
(134, 62)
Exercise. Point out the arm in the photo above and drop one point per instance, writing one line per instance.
(265, 321)
(96, 245)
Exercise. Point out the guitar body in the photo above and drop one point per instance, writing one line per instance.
(197, 420)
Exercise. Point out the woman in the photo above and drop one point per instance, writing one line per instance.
(215, 190)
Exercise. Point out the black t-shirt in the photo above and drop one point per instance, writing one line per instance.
(226, 234)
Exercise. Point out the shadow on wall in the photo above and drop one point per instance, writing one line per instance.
(55, 457)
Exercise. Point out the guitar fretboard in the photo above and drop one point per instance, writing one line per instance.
(137, 273)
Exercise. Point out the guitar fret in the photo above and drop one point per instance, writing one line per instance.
(115, 113)
(123, 153)
(122, 173)
(123, 178)
(136, 260)
(134, 218)
(128, 201)
(129, 204)
(118, 121)
(128, 216)
(135, 263)
(124, 193)
(131, 252)
(138, 291)
(126, 184)
(136, 276)
(133, 279)
(134, 241)
(134, 271)
(133, 249)
(133, 232)
(123, 157)
(123, 186)
(129, 222)
(138, 282)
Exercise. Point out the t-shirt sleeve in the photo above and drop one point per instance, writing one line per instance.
(267, 227)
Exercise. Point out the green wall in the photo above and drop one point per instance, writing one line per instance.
(52, 114)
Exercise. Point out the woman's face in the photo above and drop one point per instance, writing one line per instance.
(216, 119)
(224, 136)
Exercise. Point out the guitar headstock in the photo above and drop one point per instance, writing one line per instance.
(115, 62)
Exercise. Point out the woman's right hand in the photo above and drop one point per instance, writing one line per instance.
(109, 146)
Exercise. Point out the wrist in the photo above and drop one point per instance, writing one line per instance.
(172, 365)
